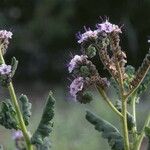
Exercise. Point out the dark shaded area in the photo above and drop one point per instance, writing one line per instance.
(44, 32)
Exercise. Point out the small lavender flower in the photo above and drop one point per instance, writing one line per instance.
(5, 34)
(5, 69)
(4, 39)
(76, 86)
(17, 135)
(74, 61)
(108, 27)
(88, 34)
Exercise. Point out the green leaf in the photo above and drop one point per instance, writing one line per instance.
(130, 74)
(8, 115)
(45, 126)
(14, 65)
(109, 132)
(46, 145)
(147, 132)
(115, 86)
(145, 84)
(25, 108)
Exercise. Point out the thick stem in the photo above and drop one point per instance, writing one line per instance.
(124, 108)
(125, 126)
(18, 112)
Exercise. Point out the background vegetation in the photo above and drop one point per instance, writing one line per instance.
(44, 36)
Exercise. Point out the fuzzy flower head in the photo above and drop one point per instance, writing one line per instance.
(5, 69)
(74, 61)
(108, 27)
(76, 86)
(88, 34)
(4, 39)
(17, 135)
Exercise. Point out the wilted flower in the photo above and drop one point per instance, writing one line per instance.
(5, 69)
(74, 62)
(4, 39)
(88, 34)
(17, 135)
(108, 27)
(76, 86)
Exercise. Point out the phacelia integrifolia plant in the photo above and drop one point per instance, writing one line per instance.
(15, 112)
(128, 83)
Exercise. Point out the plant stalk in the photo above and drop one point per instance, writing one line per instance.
(18, 111)
(124, 108)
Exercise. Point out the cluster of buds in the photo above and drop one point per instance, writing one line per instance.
(4, 40)
(5, 74)
(104, 40)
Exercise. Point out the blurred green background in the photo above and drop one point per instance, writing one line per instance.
(44, 37)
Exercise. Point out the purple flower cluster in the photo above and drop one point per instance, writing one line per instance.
(76, 86)
(88, 34)
(106, 27)
(17, 135)
(5, 69)
(5, 34)
(74, 61)
(4, 39)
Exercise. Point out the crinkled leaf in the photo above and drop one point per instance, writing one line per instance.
(145, 84)
(147, 132)
(45, 126)
(46, 145)
(109, 132)
(14, 65)
(115, 86)
(8, 116)
(25, 108)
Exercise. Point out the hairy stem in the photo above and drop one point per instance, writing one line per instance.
(124, 108)
(18, 111)
(108, 101)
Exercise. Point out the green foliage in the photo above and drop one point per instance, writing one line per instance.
(90, 51)
(45, 126)
(109, 132)
(8, 116)
(14, 65)
(130, 119)
(25, 108)
(147, 132)
(46, 145)
(144, 85)
(85, 97)
(115, 86)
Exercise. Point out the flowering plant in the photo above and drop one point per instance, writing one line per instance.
(128, 83)
(15, 112)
